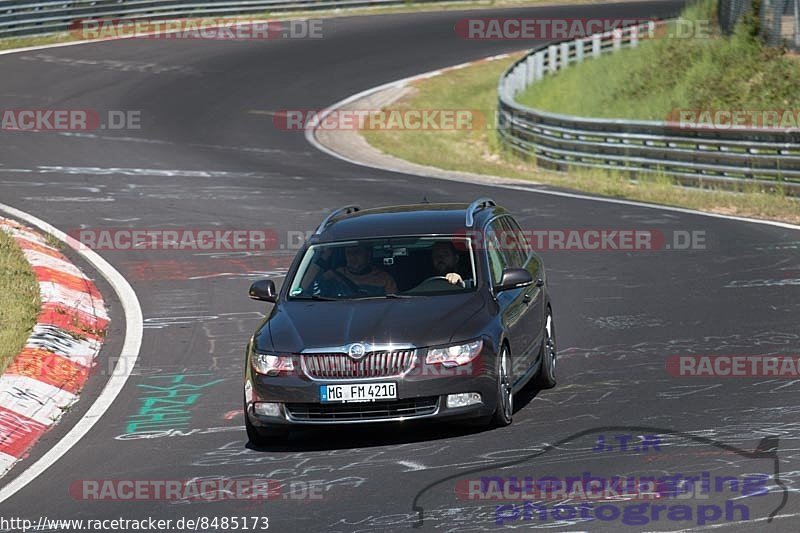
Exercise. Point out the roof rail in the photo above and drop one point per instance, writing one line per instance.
(348, 209)
(480, 203)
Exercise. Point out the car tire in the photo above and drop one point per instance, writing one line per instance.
(546, 377)
(503, 413)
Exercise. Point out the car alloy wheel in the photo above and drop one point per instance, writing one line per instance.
(547, 372)
(505, 394)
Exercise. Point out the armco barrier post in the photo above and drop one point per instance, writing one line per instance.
(530, 62)
(651, 30)
(552, 51)
(523, 75)
(565, 55)
(539, 65)
(797, 24)
(617, 37)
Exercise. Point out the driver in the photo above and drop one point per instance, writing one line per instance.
(445, 262)
(358, 269)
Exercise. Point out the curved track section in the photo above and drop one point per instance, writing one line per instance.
(208, 155)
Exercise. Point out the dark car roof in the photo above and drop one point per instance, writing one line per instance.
(417, 219)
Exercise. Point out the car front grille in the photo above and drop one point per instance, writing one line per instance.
(373, 365)
(353, 412)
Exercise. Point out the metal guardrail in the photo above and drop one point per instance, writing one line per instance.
(20, 17)
(691, 156)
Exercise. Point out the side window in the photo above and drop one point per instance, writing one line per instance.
(509, 240)
(530, 259)
(497, 260)
(525, 245)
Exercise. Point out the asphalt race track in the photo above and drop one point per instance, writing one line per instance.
(208, 154)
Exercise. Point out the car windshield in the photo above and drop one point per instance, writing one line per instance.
(385, 268)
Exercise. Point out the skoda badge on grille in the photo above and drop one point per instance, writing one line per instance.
(356, 351)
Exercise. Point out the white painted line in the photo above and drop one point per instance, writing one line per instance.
(413, 466)
(320, 117)
(44, 47)
(6, 462)
(123, 369)
(111, 39)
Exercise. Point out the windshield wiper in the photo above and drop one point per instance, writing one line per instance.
(392, 295)
(315, 297)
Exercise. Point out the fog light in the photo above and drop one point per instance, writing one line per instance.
(464, 399)
(267, 409)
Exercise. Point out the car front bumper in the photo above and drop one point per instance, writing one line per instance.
(421, 394)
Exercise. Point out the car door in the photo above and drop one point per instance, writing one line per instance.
(518, 251)
(534, 294)
(511, 302)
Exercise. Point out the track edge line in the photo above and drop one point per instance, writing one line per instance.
(122, 370)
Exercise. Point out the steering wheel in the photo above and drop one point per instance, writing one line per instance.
(338, 285)
(434, 278)
(347, 281)
(437, 280)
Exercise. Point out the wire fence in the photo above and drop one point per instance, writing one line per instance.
(779, 20)
(729, 12)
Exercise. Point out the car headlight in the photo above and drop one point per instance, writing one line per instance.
(454, 355)
(271, 364)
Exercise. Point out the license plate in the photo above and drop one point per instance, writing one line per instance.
(362, 392)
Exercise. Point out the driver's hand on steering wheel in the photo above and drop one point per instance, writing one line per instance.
(454, 279)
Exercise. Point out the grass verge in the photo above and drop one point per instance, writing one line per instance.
(479, 151)
(707, 71)
(19, 299)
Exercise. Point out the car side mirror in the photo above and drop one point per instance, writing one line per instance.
(263, 290)
(513, 278)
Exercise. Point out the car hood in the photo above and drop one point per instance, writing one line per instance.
(422, 321)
